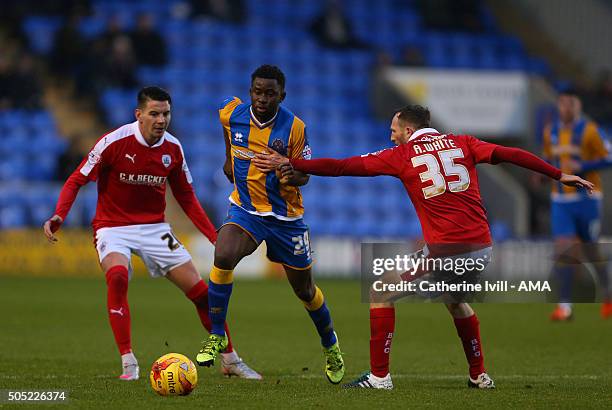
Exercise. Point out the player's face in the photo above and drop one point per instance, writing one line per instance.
(266, 96)
(399, 131)
(569, 108)
(153, 119)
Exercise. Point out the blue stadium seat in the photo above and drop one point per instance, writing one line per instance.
(41, 31)
(538, 66)
(514, 61)
(90, 200)
(41, 166)
(500, 231)
(14, 168)
(40, 202)
(92, 26)
(13, 217)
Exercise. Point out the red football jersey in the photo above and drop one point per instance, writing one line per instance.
(439, 174)
(131, 177)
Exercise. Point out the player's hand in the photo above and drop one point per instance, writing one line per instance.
(269, 161)
(51, 226)
(576, 181)
(285, 173)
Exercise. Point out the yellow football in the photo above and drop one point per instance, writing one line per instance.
(173, 374)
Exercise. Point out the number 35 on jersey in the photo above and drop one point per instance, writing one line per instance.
(435, 176)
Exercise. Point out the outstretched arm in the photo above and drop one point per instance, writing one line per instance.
(359, 166)
(524, 159)
(530, 161)
(352, 166)
(330, 167)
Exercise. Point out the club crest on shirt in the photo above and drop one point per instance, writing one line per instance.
(278, 146)
(166, 160)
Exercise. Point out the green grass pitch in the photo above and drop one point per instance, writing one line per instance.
(54, 334)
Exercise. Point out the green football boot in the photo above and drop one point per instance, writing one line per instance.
(211, 348)
(334, 364)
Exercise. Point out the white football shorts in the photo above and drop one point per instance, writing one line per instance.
(155, 244)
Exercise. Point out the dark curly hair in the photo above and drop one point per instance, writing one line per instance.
(270, 72)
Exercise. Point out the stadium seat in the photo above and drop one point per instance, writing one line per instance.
(13, 217)
(500, 231)
(14, 168)
(40, 31)
(40, 202)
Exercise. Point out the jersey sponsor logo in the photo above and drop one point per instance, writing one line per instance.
(307, 152)
(279, 146)
(238, 137)
(131, 157)
(166, 160)
(134, 179)
(243, 154)
(430, 138)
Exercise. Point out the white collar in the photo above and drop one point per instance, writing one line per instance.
(259, 124)
(141, 139)
(423, 131)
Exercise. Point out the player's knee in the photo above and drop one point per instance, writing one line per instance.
(305, 293)
(117, 278)
(226, 258)
(381, 305)
(459, 310)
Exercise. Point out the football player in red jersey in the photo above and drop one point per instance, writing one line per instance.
(439, 173)
(132, 165)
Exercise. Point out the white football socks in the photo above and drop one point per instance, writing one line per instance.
(231, 357)
(128, 359)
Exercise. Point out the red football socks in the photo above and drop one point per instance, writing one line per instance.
(118, 308)
(382, 326)
(469, 331)
(198, 294)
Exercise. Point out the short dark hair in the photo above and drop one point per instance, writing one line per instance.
(270, 72)
(152, 93)
(415, 115)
